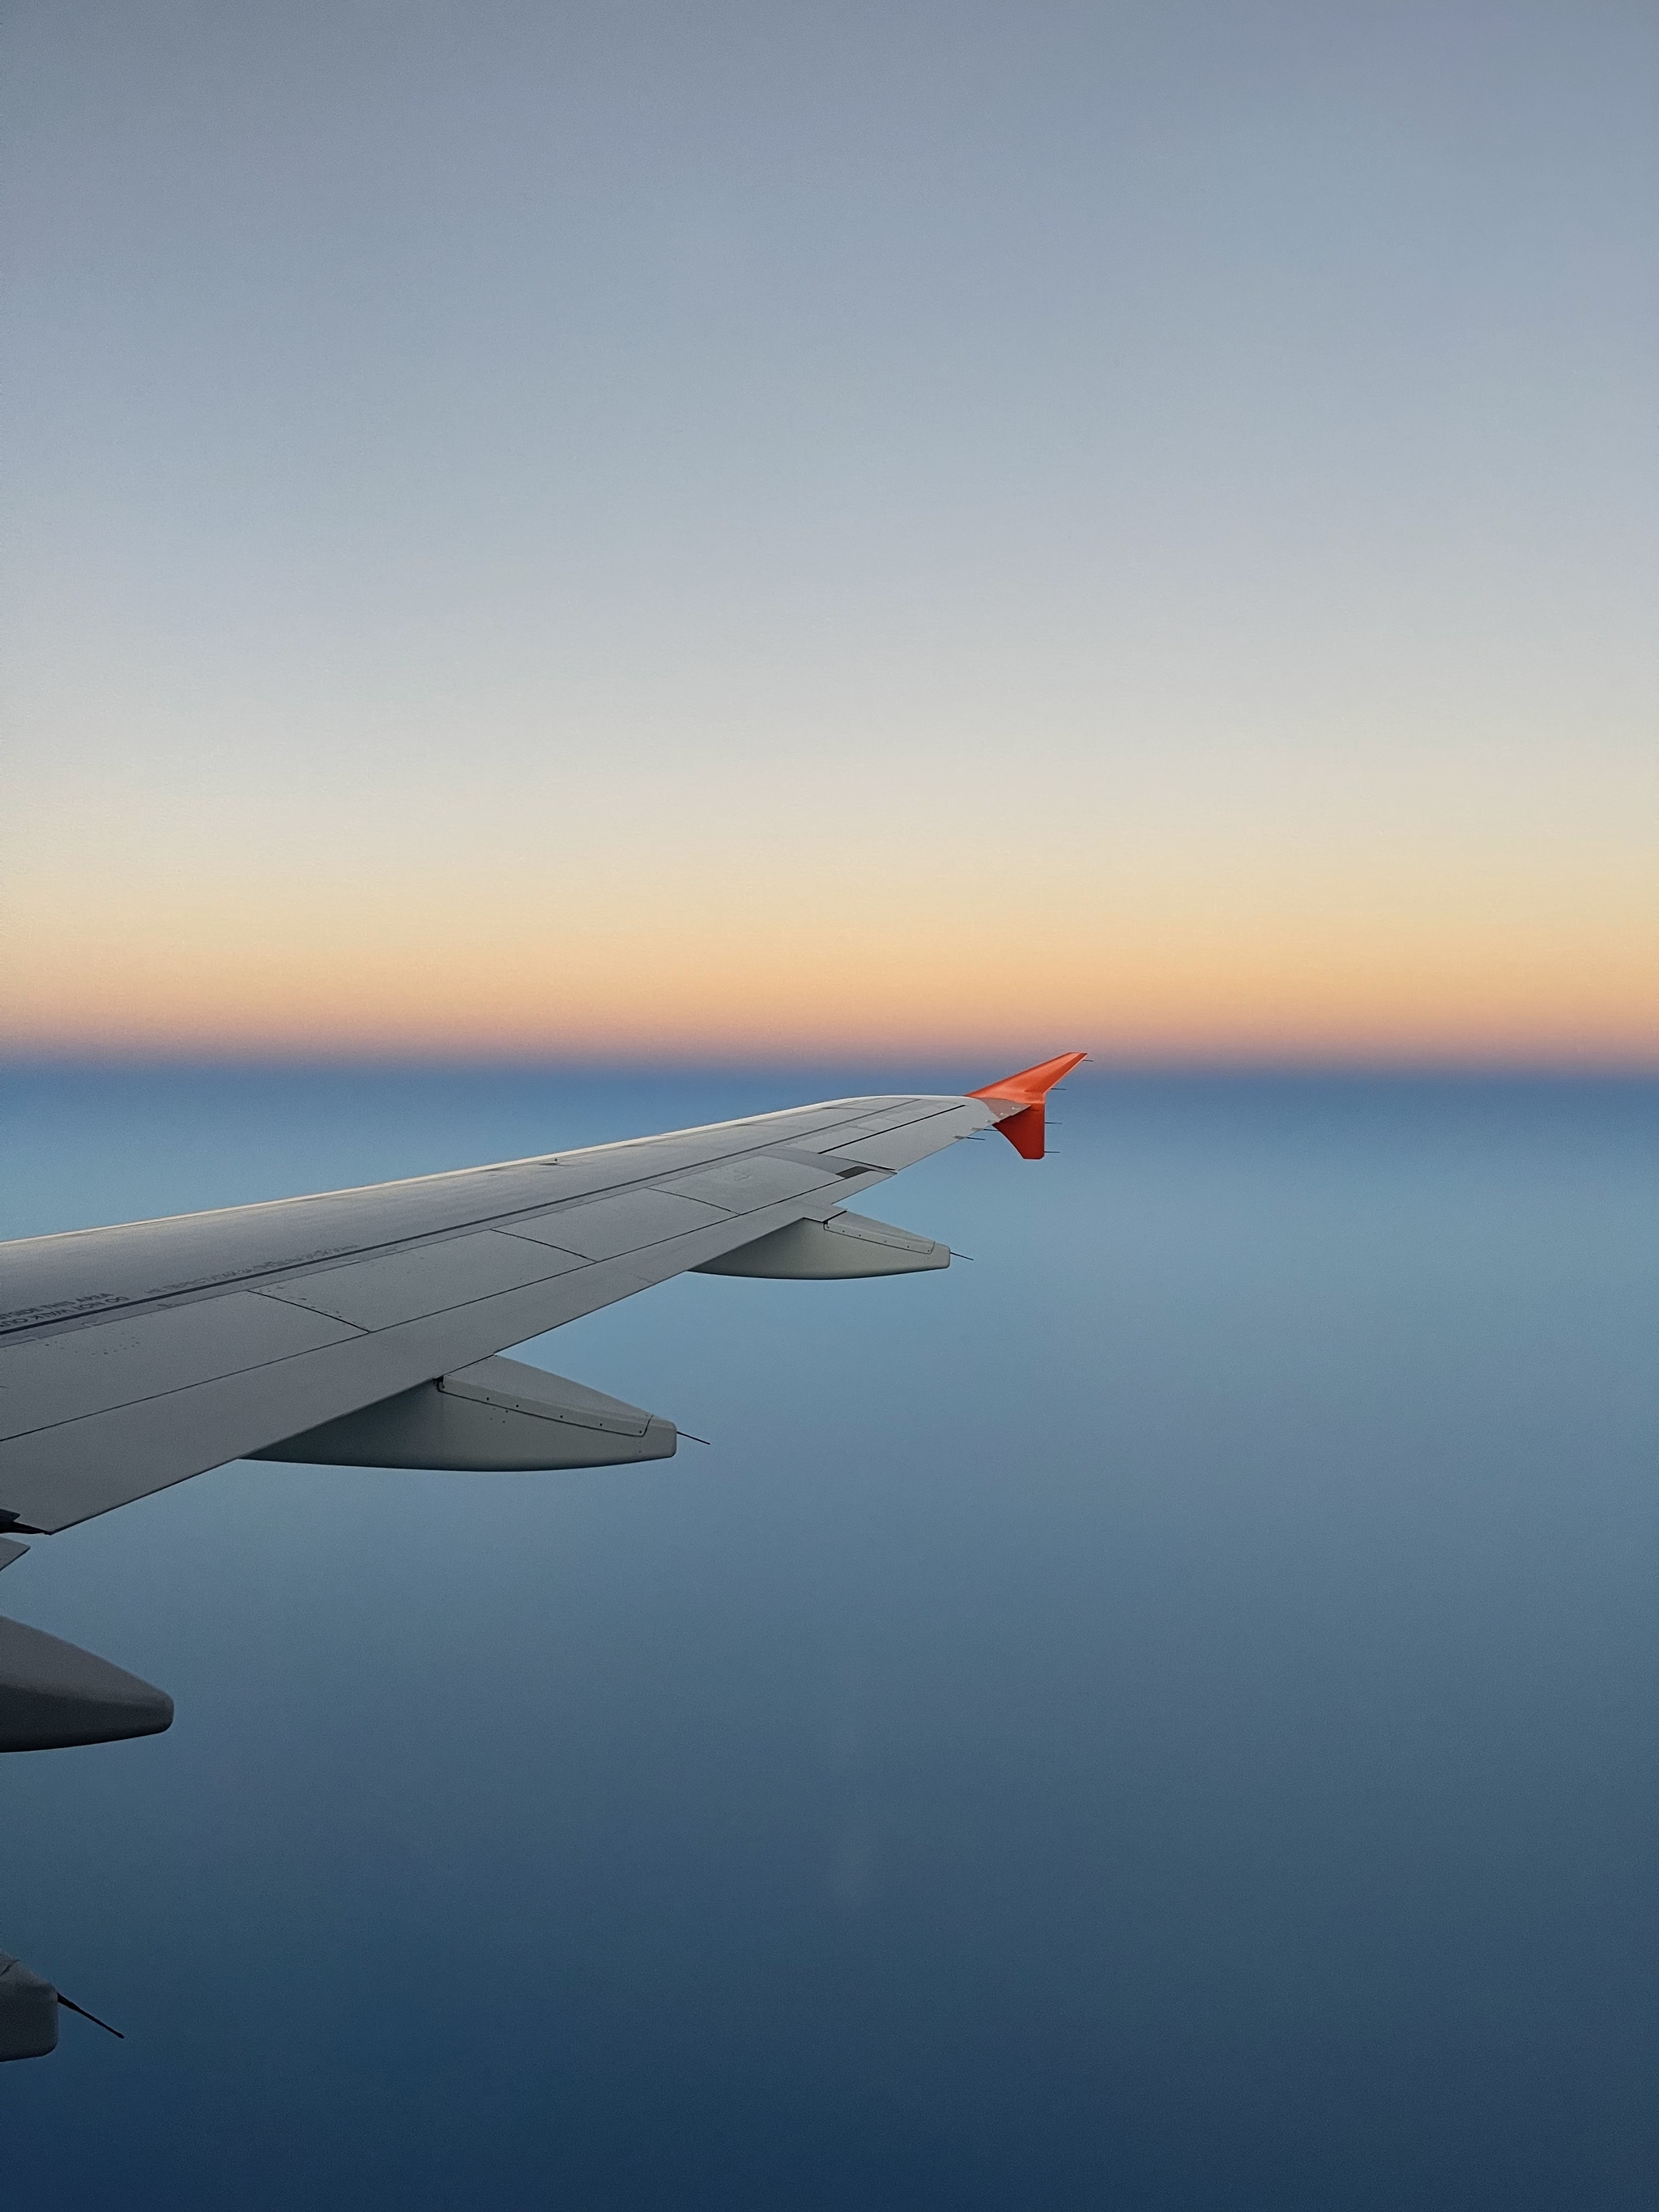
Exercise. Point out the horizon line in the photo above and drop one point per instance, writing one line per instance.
(1606, 1064)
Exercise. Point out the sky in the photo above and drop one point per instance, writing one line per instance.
(631, 529)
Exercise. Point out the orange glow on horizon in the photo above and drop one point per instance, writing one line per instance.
(981, 934)
(1266, 993)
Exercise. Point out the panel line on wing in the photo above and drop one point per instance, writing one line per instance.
(63, 1378)
(429, 1279)
(71, 1300)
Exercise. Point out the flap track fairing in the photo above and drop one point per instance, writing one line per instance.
(845, 1246)
(495, 1417)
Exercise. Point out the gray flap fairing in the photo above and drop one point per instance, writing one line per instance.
(498, 1416)
(847, 1247)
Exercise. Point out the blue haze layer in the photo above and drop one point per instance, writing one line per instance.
(1162, 1717)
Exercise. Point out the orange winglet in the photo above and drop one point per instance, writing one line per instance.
(1024, 1095)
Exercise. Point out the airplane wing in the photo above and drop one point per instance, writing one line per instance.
(364, 1328)
(362, 1325)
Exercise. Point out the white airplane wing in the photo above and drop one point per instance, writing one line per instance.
(360, 1326)
(363, 1328)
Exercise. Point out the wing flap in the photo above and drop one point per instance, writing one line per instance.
(375, 1294)
(740, 1186)
(606, 1228)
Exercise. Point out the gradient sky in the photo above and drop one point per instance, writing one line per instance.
(701, 530)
